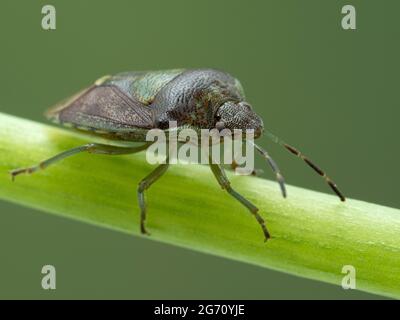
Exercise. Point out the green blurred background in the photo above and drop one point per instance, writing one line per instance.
(330, 92)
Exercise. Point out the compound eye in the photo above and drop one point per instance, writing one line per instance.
(220, 125)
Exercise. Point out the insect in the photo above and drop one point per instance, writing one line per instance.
(125, 106)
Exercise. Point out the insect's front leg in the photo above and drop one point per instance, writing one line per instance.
(90, 147)
(224, 182)
(144, 185)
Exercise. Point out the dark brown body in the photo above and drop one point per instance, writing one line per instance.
(126, 105)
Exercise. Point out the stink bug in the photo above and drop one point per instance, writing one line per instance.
(126, 106)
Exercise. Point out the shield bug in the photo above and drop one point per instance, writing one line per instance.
(127, 105)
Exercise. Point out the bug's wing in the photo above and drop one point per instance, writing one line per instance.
(102, 107)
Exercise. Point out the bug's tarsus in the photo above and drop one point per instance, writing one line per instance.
(143, 229)
(311, 164)
(274, 167)
(28, 170)
(14, 173)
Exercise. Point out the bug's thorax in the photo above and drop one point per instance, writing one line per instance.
(193, 97)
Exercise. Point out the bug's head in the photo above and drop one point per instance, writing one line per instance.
(238, 115)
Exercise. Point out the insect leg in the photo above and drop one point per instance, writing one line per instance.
(224, 182)
(144, 185)
(90, 147)
(274, 167)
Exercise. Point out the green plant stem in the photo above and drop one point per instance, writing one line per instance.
(314, 234)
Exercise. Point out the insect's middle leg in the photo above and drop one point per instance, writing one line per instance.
(224, 182)
(90, 147)
(144, 185)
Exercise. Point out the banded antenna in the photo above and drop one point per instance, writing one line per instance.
(311, 164)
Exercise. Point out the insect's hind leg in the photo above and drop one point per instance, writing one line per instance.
(224, 182)
(144, 185)
(90, 147)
